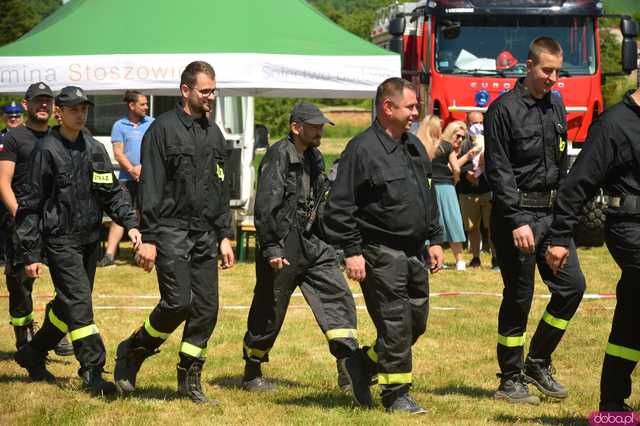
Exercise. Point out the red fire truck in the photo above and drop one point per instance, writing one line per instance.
(463, 54)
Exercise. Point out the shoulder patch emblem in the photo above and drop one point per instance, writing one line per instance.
(220, 172)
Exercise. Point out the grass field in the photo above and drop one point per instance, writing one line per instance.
(454, 363)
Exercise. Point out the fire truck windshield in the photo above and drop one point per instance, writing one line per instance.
(498, 45)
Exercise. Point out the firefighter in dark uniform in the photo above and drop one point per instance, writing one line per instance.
(380, 211)
(525, 154)
(15, 153)
(291, 184)
(185, 217)
(71, 183)
(610, 159)
(12, 117)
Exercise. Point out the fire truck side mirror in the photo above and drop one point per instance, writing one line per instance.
(396, 26)
(629, 30)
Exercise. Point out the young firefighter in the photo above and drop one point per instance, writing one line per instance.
(71, 184)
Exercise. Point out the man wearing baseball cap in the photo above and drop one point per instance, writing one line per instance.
(71, 184)
(12, 115)
(291, 183)
(15, 153)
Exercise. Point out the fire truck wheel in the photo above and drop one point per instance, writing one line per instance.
(589, 231)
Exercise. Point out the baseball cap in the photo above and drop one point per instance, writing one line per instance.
(305, 112)
(38, 89)
(72, 95)
(12, 109)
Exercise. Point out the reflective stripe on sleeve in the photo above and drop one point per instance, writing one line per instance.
(371, 353)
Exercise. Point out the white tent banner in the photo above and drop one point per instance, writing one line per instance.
(248, 74)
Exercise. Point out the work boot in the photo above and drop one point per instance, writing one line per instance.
(24, 334)
(615, 406)
(539, 373)
(64, 347)
(129, 358)
(355, 371)
(93, 382)
(514, 389)
(343, 380)
(34, 361)
(189, 385)
(404, 404)
(252, 380)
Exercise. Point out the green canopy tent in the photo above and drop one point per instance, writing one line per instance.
(274, 48)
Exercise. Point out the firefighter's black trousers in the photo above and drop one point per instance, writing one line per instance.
(72, 266)
(187, 271)
(396, 291)
(313, 266)
(517, 269)
(20, 287)
(623, 349)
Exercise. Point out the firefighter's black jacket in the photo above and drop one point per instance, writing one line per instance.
(382, 194)
(280, 192)
(610, 159)
(69, 187)
(525, 149)
(183, 182)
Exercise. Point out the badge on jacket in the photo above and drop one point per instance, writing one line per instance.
(102, 178)
(563, 144)
(220, 172)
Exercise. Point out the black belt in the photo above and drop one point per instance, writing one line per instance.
(537, 200)
(626, 203)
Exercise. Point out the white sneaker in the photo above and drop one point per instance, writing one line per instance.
(461, 266)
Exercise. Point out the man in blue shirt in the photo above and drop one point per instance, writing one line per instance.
(126, 136)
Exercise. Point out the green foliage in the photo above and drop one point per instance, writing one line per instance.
(614, 87)
(355, 16)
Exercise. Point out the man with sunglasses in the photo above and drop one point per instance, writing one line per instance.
(380, 212)
(185, 217)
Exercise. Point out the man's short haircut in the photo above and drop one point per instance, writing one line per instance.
(131, 96)
(393, 86)
(543, 44)
(190, 73)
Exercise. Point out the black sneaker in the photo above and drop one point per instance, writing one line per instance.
(475, 263)
(106, 261)
(405, 404)
(514, 389)
(34, 361)
(355, 370)
(615, 406)
(64, 347)
(93, 382)
(539, 373)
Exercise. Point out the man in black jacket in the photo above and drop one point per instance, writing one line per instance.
(291, 182)
(525, 155)
(70, 184)
(185, 217)
(610, 159)
(381, 210)
(15, 153)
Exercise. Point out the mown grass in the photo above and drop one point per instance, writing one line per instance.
(454, 363)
